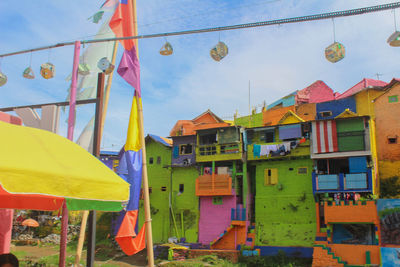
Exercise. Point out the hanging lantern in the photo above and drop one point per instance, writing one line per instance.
(166, 49)
(394, 39)
(335, 52)
(105, 65)
(28, 73)
(3, 79)
(47, 70)
(219, 51)
(84, 69)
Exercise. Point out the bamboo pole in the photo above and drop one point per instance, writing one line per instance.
(107, 91)
(81, 237)
(147, 214)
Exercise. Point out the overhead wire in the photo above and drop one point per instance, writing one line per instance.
(322, 16)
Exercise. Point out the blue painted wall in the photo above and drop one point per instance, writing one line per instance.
(357, 164)
(336, 107)
(177, 160)
(299, 252)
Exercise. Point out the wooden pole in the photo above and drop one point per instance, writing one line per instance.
(96, 152)
(147, 214)
(81, 238)
(107, 91)
(71, 124)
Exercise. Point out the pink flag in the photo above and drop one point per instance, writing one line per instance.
(129, 69)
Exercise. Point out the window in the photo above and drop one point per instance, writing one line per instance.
(217, 200)
(302, 170)
(181, 188)
(392, 140)
(150, 160)
(393, 99)
(163, 188)
(185, 149)
(270, 176)
(355, 234)
(324, 114)
(158, 160)
(268, 136)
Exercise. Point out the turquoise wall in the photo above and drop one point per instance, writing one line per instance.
(185, 203)
(285, 212)
(158, 177)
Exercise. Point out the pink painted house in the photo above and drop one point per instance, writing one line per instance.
(215, 216)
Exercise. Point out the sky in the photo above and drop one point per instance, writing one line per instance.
(277, 60)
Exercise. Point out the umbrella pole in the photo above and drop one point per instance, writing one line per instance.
(71, 124)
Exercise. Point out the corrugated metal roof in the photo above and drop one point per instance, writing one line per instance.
(162, 140)
(364, 83)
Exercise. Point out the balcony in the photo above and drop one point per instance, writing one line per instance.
(219, 152)
(358, 212)
(302, 149)
(214, 185)
(349, 182)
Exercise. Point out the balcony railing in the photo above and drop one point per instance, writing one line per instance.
(214, 185)
(302, 149)
(219, 152)
(350, 182)
(238, 214)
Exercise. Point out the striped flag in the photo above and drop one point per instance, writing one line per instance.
(130, 167)
(324, 136)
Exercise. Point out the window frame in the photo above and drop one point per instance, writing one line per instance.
(180, 149)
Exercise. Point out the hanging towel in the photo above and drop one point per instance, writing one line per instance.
(287, 146)
(175, 153)
(256, 150)
(264, 151)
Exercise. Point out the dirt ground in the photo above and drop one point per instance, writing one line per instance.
(37, 252)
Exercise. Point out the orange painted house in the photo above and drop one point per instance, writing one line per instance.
(387, 112)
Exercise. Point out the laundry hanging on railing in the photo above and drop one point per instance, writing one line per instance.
(275, 150)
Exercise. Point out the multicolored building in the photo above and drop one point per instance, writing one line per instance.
(302, 176)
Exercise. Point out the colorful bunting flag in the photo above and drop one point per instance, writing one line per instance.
(130, 167)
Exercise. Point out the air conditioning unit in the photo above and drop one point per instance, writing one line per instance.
(186, 162)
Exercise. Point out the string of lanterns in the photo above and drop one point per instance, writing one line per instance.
(333, 53)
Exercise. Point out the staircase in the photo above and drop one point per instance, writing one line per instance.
(235, 234)
(323, 257)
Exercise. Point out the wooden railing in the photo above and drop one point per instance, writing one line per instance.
(214, 185)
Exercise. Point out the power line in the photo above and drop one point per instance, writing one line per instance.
(329, 15)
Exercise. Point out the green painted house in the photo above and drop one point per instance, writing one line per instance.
(279, 165)
(158, 156)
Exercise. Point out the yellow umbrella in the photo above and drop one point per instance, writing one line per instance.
(34, 161)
